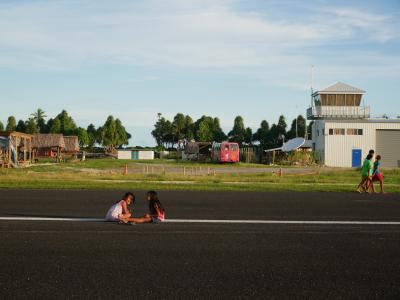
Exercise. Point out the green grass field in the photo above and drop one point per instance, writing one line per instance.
(172, 175)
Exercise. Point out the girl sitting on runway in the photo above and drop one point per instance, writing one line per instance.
(156, 210)
(120, 212)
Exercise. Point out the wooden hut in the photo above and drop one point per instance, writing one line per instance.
(48, 145)
(15, 149)
(71, 145)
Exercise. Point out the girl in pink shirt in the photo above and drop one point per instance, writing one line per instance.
(156, 210)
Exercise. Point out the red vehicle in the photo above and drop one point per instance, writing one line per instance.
(225, 152)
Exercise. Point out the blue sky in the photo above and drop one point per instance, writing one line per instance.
(222, 58)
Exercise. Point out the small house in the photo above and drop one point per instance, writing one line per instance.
(48, 145)
(135, 154)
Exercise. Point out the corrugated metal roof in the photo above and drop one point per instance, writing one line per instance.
(395, 121)
(307, 144)
(340, 87)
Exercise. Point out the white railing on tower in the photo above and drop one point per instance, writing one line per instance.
(359, 112)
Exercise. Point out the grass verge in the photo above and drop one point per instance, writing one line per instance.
(107, 174)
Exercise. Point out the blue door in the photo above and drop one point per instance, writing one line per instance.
(356, 158)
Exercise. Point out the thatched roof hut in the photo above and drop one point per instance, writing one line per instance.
(48, 140)
(71, 144)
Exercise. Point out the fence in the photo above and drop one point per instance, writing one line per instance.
(251, 154)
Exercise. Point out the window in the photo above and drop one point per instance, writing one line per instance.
(354, 131)
(318, 132)
(317, 100)
(351, 131)
(323, 131)
(217, 147)
(339, 131)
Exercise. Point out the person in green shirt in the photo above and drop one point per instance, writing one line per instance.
(366, 174)
(367, 183)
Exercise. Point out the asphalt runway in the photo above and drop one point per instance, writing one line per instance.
(98, 260)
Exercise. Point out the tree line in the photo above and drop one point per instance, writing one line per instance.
(110, 136)
(182, 128)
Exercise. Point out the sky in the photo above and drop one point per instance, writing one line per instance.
(223, 58)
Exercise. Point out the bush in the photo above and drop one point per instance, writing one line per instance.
(302, 158)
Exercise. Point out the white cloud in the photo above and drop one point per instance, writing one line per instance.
(67, 34)
(361, 25)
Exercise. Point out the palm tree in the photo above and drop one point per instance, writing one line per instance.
(39, 117)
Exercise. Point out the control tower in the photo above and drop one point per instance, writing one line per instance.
(337, 102)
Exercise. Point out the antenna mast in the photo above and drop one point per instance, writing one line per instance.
(312, 82)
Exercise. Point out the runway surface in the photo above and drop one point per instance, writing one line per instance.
(334, 254)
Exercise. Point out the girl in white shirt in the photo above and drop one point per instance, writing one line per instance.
(120, 212)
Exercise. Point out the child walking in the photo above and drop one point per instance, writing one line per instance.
(367, 182)
(366, 174)
(120, 212)
(156, 210)
(377, 174)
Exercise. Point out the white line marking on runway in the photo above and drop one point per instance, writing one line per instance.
(283, 222)
(51, 219)
(212, 221)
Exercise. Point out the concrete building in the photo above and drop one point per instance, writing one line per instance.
(136, 154)
(343, 132)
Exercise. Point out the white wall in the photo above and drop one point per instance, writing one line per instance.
(124, 154)
(146, 154)
(127, 154)
(338, 148)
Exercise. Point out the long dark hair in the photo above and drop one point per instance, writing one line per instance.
(154, 202)
(127, 195)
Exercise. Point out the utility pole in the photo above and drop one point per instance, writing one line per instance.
(311, 96)
(297, 117)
